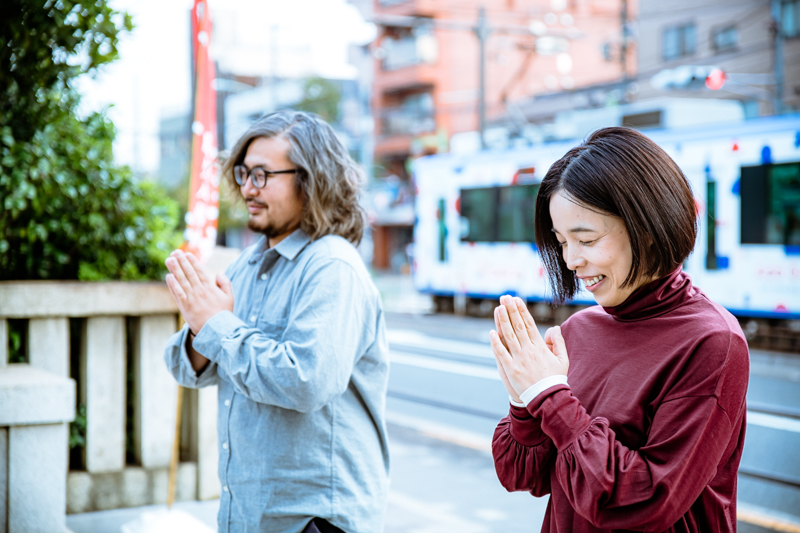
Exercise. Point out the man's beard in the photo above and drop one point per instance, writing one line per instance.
(269, 229)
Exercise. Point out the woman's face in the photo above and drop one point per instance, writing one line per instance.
(596, 247)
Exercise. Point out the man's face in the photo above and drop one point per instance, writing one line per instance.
(275, 209)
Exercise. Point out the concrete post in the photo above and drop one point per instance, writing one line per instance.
(155, 390)
(38, 474)
(3, 480)
(36, 407)
(208, 486)
(3, 349)
(103, 392)
(48, 345)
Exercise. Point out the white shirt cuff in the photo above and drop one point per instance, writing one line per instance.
(539, 387)
(515, 403)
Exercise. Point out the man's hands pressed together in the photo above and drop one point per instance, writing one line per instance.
(199, 297)
(523, 357)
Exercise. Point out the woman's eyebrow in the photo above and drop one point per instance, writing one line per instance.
(578, 229)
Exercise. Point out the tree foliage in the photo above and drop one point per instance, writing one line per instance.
(321, 96)
(67, 211)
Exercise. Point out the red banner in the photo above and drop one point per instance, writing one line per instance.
(201, 219)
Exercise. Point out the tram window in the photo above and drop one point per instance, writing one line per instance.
(711, 225)
(770, 204)
(479, 208)
(515, 213)
(498, 214)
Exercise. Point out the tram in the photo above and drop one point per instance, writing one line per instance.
(473, 233)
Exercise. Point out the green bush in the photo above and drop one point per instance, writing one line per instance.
(67, 211)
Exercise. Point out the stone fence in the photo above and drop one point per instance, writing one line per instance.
(99, 345)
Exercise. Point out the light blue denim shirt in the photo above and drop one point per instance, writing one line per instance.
(302, 367)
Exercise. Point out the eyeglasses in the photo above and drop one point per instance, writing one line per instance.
(257, 175)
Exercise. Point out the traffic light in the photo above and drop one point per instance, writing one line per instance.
(688, 78)
(715, 79)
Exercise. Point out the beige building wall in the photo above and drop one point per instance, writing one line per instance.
(749, 64)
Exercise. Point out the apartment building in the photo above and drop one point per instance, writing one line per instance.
(756, 43)
(431, 94)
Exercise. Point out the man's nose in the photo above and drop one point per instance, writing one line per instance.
(247, 188)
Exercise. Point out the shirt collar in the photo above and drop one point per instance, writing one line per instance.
(293, 244)
(289, 247)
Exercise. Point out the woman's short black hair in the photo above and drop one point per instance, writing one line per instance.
(622, 173)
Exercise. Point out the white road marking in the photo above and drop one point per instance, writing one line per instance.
(415, 339)
(452, 367)
(437, 516)
(772, 421)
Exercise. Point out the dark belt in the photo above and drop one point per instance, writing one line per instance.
(319, 525)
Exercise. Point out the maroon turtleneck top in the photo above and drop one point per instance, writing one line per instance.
(649, 432)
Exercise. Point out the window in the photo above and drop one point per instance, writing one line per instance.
(678, 42)
(770, 210)
(651, 119)
(414, 115)
(725, 39)
(441, 222)
(790, 18)
(711, 224)
(498, 214)
(407, 46)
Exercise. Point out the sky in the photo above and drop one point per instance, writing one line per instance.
(151, 79)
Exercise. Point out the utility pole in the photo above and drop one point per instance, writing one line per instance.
(273, 66)
(623, 50)
(778, 56)
(482, 31)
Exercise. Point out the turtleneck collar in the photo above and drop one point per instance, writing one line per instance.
(655, 298)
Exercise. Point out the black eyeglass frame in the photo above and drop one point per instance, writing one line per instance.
(240, 175)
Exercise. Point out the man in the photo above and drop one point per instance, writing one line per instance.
(294, 336)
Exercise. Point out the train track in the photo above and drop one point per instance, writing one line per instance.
(753, 472)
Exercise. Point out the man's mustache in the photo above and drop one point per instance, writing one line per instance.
(254, 201)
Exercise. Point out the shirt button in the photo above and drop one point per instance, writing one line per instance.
(225, 488)
(227, 403)
(263, 277)
(224, 445)
(253, 318)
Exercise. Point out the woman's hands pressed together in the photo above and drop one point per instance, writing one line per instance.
(523, 357)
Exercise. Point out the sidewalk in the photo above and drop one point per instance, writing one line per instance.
(438, 485)
(113, 520)
(399, 295)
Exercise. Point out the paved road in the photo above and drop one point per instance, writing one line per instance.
(443, 383)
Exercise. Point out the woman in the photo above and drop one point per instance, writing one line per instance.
(632, 415)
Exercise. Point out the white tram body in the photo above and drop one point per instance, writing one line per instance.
(473, 233)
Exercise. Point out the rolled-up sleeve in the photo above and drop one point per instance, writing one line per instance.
(180, 366)
(313, 359)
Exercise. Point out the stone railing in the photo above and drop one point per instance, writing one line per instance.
(109, 337)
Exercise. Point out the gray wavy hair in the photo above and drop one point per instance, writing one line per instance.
(329, 180)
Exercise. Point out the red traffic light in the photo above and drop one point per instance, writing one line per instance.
(715, 79)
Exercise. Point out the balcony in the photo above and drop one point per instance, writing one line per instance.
(401, 121)
(409, 50)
